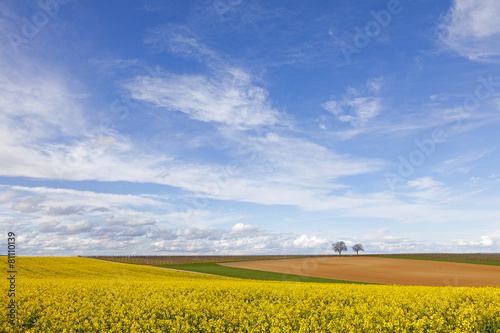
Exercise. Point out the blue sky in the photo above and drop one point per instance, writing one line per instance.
(250, 127)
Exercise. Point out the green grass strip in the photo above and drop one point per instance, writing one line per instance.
(243, 273)
(462, 261)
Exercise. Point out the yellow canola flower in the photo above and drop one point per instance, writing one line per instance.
(83, 295)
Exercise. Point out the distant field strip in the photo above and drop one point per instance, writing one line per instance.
(84, 295)
(176, 260)
(383, 270)
(492, 259)
(243, 273)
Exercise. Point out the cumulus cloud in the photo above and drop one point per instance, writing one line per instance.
(100, 210)
(53, 226)
(241, 228)
(62, 211)
(209, 233)
(30, 204)
(83, 226)
(482, 243)
(136, 231)
(471, 29)
(112, 221)
(489, 240)
(305, 242)
(6, 196)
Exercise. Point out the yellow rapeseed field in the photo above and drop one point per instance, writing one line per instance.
(87, 295)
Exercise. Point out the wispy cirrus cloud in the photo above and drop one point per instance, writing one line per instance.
(471, 29)
(60, 199)
(35, 99)
(180, 40)
(426, 189)
(229, 98)
(109, 64)
(463, 162)
(301, 162)
(357, 106)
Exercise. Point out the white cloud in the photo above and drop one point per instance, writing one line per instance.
(112, 221)
(285, 171)
(62, 145)
(471, 29)
(229, 98)
(485, 242)
(429, 190)
(192, 233)
(64, 211)
(38, 107)
(44, 130)
(30, 204)
(462, 163)
(298, 161)
(6, 196)
(424, 183)
(111, 64)
(54, 197)
(241, 228)
(180, 40)
(139, 223)
(35, 100)
(46, 133)
(312, 242)
(356, 108)
(227, 95)
(375, 84)
(83, 226)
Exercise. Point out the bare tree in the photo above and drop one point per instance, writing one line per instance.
(339, 247)
(357, 248)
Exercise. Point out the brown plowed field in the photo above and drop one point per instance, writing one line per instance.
(383, 270)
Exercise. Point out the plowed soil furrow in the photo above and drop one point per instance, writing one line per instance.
(383, 270)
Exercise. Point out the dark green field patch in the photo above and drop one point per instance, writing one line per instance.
(243, 273)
